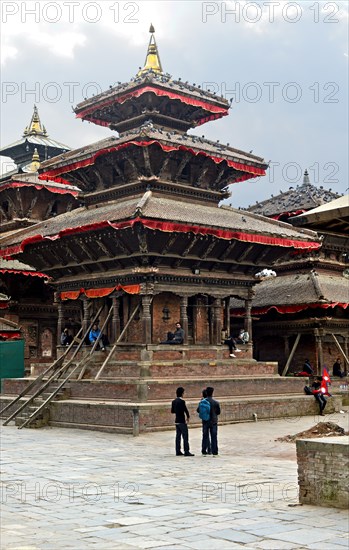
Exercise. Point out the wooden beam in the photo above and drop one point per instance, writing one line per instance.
(340, 348)
(291, 354)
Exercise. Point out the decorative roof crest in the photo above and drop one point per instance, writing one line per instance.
(35, 127)
(152, 60)
(35, 163)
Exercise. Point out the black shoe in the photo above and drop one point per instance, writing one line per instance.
(204, 454)
(188, 454)
(179, 454)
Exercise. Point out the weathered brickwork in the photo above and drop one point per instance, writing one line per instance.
(323, 471)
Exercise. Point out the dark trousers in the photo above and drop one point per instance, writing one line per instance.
(321, 399)
(182, 431)
(231, 344)
(206, 440)
(213, 431)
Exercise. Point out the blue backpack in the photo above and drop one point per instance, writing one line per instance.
(205, 410)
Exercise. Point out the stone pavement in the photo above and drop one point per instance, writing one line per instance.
(72, 489)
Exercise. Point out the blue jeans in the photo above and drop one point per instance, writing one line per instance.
(182, 431)
(206, 440)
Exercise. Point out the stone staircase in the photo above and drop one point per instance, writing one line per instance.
(134, 391)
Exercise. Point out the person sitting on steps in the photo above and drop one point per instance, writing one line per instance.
(176, 337)
(231, 343)
(337, 371)
(243, 337)
(94, 334)
(66, 337)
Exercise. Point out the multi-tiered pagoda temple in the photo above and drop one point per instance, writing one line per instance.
(151, 231)
(151, 246)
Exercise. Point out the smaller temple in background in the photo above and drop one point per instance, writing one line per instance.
(295, 201)
(26, 201)
(35, 140)
(303, 312)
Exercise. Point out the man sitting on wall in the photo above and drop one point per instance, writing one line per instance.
(176, 337)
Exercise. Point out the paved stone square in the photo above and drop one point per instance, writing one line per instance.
(74, 489)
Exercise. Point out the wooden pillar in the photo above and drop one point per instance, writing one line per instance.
(248, 318)
(320, 353)
(146, 318)
(286, 349)
(115, 327)
(226, 324)
(60, 322)
(184, 317)
(217, 322)
(86, 317)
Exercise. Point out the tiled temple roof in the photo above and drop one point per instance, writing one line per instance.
(300, 198)
(163, 136)
(150, 77)
(299, 288)
(165, 209)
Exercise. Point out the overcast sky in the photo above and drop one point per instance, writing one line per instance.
(285, 64)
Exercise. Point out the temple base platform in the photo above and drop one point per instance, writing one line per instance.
(134, 392)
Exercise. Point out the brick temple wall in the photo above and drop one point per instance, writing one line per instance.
(323, 466)
(162, 326)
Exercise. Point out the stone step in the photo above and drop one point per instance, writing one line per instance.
(197, 367)
(142, 389)
(132, 418)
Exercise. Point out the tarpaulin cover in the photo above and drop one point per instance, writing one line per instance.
(287, 214)
(99, 292)
(166, 227)
(252, 171)
(214, 109)
(289, 309)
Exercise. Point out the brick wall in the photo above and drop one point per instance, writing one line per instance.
(323, 467)
(162, 326)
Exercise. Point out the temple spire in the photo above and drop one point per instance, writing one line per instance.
(152, 60)
(35, 163)
(306, 180)
(35, 127)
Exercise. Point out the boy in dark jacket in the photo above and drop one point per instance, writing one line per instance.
(206, 443)
(179, 408)
(213, 424)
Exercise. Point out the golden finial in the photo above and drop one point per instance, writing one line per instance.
(35, 163)
(152, 60)
(35, 127)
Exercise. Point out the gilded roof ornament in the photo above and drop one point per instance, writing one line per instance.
(35, 127)
(152, 60)
(35, 163)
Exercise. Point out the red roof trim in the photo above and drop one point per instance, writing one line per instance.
(40, 186)
(290, 309)
(166, 227)
(219, 111)
(26, 273)
(252, 171)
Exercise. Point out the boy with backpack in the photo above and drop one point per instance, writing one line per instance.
(204, 410)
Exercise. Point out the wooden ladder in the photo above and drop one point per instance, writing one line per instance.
(55, 373)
